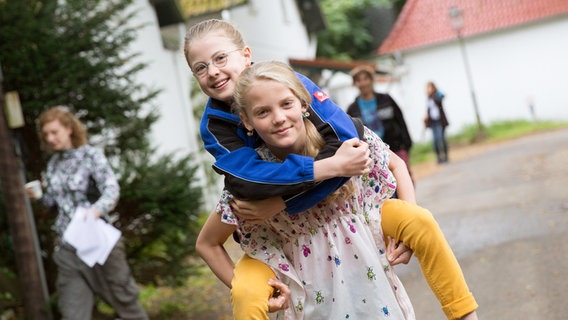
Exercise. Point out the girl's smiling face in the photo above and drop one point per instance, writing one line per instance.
(218, 82)
(275, 113)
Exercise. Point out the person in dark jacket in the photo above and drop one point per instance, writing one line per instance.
(380, 113)
(436, 120)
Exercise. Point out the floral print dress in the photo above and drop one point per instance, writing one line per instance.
(332, 256)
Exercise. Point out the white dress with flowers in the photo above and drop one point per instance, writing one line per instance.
(332, 256)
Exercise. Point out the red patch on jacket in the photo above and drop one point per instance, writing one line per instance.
(321, 96)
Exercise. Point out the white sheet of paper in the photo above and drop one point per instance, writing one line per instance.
(111, 236)
(93, 239)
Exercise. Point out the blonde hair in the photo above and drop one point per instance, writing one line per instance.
(204, 28)
(68, 120)
(283, 74)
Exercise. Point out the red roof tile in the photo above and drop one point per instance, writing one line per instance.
(426, 22)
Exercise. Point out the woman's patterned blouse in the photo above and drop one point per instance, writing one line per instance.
(66, 180)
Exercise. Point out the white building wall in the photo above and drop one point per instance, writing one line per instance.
(167, 71)
(176, 129)
(509, 69)
(274, 30)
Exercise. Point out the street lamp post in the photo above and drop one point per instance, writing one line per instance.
(457, 24)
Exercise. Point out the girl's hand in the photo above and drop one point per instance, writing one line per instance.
(352, 158)
(280, 300)
(257, 211)
(398, 253)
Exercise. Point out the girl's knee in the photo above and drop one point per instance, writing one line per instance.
(408, 217)
(426, 220)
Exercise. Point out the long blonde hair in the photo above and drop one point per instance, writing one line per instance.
(206, 27)
(282, 73)
(68, 120)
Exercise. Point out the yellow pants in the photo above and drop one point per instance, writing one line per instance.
(405, 222)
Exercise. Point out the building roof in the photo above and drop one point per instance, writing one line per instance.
(313, 68)
(327, 64)
(427, 22)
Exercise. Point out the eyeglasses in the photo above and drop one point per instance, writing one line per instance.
(219, 60)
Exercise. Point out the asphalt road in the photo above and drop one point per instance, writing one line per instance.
(505, 214)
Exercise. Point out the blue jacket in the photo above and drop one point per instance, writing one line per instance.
(247, 176)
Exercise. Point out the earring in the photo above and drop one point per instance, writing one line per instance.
(305, 115)
(250, 133)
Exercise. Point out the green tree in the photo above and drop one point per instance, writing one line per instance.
(76, 53)
(166, 200)
(347, 36)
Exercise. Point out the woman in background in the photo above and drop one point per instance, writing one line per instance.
(436, 120)
(73, 163)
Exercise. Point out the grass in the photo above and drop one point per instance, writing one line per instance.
(203, 297)
(496, 131)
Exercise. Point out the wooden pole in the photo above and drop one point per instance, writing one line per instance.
(22, 226)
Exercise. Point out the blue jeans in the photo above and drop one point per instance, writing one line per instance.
(440, 144)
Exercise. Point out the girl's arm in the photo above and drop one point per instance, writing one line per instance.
(405, 187)
(352, 159)
(249, 177)
(210, 247)
(398, 252)
(246, 174)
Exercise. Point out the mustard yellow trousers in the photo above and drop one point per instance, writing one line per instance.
(405, 222)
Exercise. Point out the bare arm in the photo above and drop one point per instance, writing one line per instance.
(405, 187)
(210, 247)
(398, 253)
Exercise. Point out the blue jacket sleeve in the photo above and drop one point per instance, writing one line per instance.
(335, 126)
(248, 176)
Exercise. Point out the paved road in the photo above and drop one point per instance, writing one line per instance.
(505, 214)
